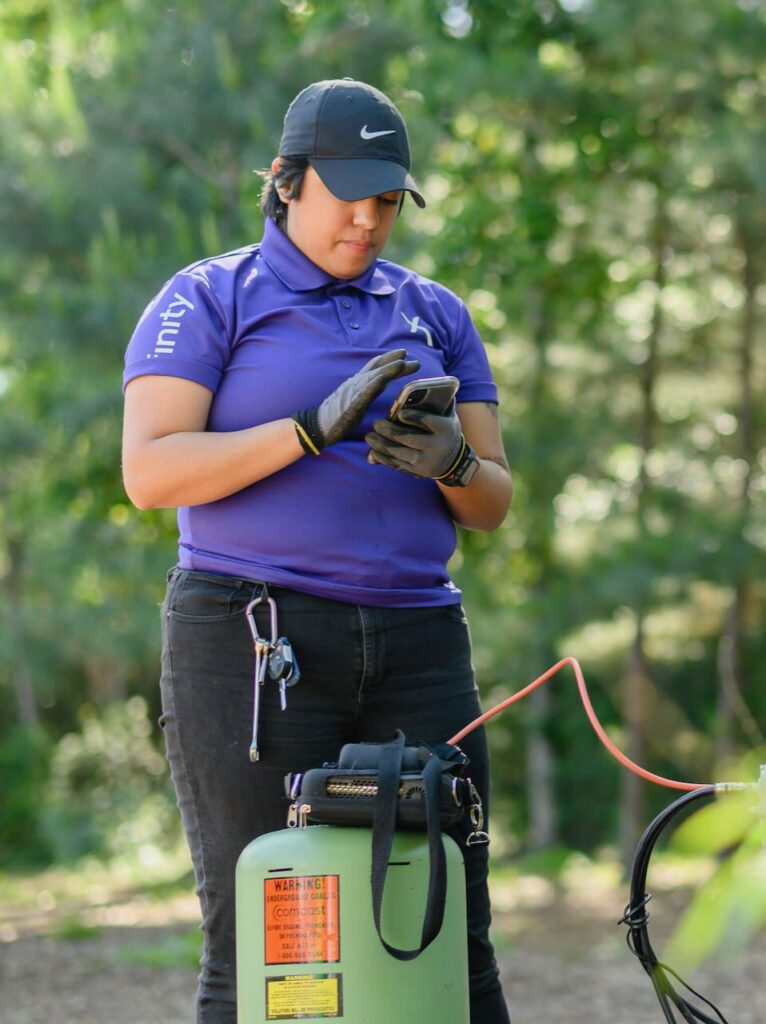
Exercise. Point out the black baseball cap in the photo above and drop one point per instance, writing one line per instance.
(354, 138)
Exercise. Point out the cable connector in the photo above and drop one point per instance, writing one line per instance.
(734, 787)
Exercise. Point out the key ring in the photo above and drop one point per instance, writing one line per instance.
(478, 837)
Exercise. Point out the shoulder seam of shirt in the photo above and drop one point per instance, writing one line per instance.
(243, 250)
(417, 278)
(191, 271)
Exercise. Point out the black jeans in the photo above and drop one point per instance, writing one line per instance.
(364, 673)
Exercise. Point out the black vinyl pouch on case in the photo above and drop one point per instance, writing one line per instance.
(393, 786)
(345, 793)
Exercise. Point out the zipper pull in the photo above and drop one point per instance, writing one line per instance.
(303, 815)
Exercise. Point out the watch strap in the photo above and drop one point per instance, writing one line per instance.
(463, 469)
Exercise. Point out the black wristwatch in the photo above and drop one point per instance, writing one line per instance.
(464, 470)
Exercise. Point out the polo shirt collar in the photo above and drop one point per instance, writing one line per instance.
(297, 272)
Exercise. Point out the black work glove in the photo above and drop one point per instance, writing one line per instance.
(423, 444)
(340, 412)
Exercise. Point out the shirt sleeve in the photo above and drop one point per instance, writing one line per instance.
(467, 360)
(182, 333)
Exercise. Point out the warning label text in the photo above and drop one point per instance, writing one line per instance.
(301, 919)
(304, 995)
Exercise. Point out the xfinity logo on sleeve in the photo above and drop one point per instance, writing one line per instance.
(171, 324)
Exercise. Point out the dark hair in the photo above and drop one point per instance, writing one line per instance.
(290, 177)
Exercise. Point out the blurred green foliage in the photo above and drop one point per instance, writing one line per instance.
(102, 790)
(595, 175)
(108, 790)
(729, 908)
(25, 756)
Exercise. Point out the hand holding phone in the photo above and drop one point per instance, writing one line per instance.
(422, 436)
(429, 394)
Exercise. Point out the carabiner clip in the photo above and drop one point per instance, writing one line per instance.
(258, 640)
(263, 649)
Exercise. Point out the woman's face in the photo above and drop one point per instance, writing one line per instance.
(343, 238)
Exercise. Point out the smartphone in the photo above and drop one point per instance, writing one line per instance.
(430, 394)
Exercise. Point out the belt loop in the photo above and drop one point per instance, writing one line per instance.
(259, 590)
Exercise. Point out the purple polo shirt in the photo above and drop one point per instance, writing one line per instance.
(269, 332)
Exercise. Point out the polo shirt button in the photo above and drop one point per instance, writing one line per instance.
(354, 326)
(346, 304)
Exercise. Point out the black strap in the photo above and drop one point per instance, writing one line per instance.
(383, 825)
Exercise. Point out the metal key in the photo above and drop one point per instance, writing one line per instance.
(263, 648)
(283, 668)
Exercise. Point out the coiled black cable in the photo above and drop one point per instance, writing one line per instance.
(636, 917)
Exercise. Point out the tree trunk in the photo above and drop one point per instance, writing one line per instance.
(26, 703)
(541, 791)
(541, 796)
(634, 685)
(107, 680)
(732, 708)
(632, 788)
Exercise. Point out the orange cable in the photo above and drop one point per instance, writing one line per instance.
(598, 728)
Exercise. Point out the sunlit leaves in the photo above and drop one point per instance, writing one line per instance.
(731, 906)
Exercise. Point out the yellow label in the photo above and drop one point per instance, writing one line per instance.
(304, 995)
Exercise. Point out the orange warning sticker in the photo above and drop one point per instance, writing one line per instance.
(301, 919)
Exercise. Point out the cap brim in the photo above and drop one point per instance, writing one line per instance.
(351, 179)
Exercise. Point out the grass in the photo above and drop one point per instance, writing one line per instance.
(177, 950)
(158, 875)
(74, 929)
(78, 902)
(530, 894)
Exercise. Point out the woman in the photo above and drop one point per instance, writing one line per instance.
(257, 388)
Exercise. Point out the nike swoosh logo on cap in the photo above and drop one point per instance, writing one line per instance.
(375, 135)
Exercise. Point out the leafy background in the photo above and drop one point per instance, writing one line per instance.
(595, 171)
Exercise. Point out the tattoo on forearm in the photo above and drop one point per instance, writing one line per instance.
(499, 459)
